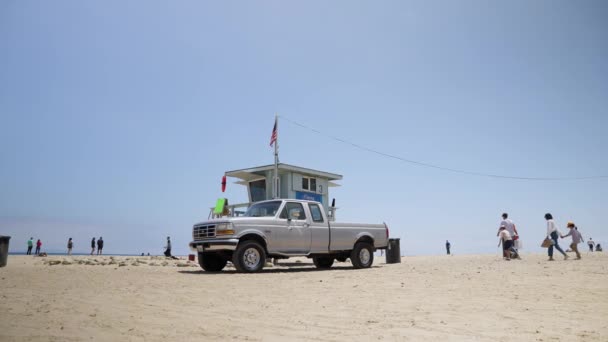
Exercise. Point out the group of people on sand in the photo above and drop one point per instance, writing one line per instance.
(591, 243)
(30, 245)
(507, 232)
(94, 244)
(99, 246)
(508, 235)
(553, 233)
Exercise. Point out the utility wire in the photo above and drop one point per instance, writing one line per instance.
(471, 173)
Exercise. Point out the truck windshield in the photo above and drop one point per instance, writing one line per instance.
(264, 209)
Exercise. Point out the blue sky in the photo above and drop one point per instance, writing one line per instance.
(119, 118)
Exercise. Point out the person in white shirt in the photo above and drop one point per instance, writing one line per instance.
(510, 227)
(553, 234)
(507, 242)
(590, 243)
(508, 224)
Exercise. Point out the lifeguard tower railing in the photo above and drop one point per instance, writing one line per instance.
(236, 210)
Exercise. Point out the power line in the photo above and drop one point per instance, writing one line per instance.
(448, 169)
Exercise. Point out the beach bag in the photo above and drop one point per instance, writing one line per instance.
(518, 244)
(547, 243)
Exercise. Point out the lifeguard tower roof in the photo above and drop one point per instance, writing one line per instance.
(253, 173)
(295, 182)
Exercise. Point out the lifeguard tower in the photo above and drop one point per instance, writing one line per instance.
(292, 182)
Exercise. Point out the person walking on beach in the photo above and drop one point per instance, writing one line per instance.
(70, 245)
(168, 247)
(92, 246)
(38, 245)
(100, 246)
(553, 235)
(590, 243)
(576, 239)
(30, 244)
(447, 246)
(507, 242)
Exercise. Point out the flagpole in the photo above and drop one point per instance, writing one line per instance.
(276, 184)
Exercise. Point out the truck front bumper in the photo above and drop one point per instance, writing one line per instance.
(214, 245)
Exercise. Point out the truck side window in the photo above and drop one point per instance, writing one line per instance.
(293, 211)
(315, 212)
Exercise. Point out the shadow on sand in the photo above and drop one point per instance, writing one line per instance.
(299, 268)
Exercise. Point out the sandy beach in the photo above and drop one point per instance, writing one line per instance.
(457, 298)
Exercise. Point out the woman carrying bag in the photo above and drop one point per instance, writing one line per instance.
(553, 235)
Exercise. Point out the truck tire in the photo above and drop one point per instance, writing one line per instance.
(323, 262)
(211, 262)
(362, 256)
(249, 257)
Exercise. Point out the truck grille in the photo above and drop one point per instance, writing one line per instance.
(203, 232)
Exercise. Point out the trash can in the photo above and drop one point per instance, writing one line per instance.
(3, 249)
(393, 252)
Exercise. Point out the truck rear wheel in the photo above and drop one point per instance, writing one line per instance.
(211, 262)
(249, 257)
(362, 256)
(323, 262)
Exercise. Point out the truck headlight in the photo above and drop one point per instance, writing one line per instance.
(224, 229)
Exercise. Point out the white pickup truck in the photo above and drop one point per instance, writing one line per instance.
(282, 229)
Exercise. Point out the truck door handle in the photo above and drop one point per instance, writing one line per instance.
(305, 225)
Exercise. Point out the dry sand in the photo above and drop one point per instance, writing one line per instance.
(458, 298)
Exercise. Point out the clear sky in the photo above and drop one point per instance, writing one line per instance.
(118, 119)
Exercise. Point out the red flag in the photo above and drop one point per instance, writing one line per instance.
(273, 137)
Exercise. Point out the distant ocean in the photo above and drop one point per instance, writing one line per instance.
(95, 254)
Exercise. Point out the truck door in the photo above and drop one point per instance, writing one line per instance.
(293, 235)
(319, 229)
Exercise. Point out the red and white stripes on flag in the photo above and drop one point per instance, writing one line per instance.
(274, 135)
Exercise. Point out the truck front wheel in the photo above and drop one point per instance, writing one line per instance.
(323, 262)
(249, 257)
(211, 262)
(362, 256)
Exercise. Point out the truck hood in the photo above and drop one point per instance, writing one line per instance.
(234, 220)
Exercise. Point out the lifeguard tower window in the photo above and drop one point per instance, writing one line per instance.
(315, 211)
(264, 209)
(309, 184)
(293, 211)
(258, 190)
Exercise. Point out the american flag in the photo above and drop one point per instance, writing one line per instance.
(273, 137)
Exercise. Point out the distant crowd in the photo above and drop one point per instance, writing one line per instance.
(96, 246)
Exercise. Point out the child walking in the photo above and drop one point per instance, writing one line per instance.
(507, 242)
(576, 238)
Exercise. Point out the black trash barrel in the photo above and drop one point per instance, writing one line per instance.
(3, 249)
(393, 252)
